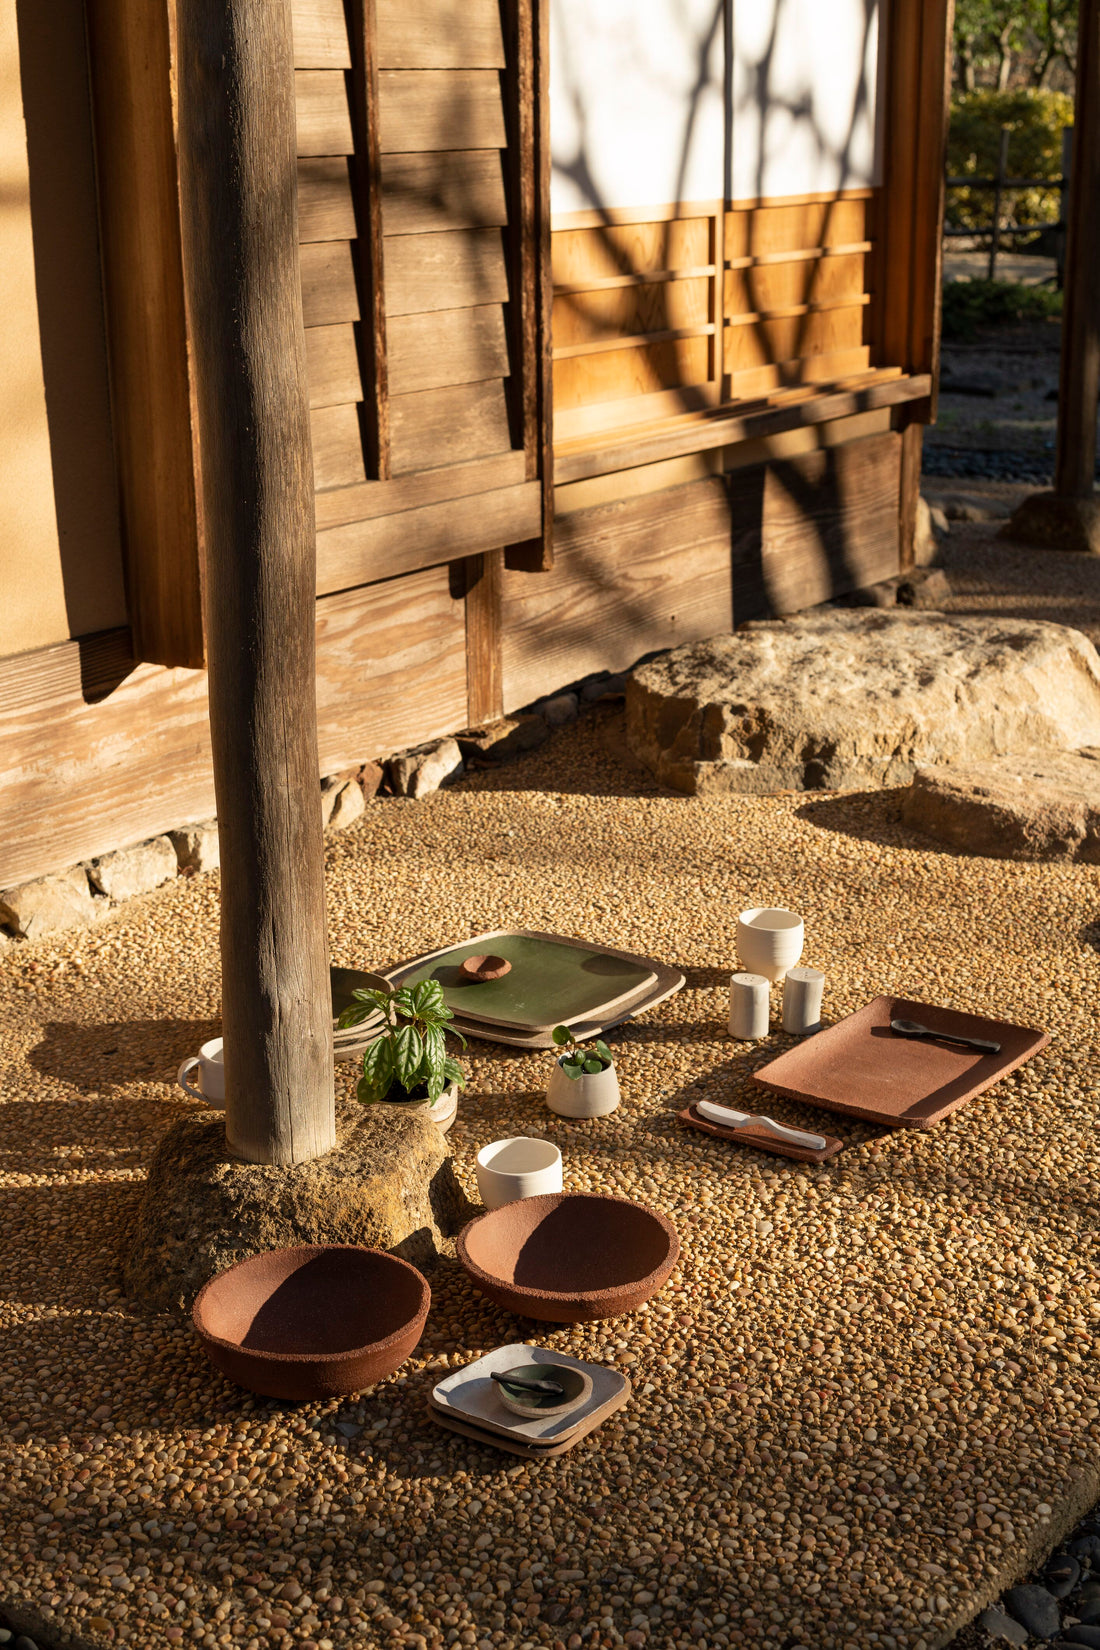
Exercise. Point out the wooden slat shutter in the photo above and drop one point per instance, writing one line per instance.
(424, 222)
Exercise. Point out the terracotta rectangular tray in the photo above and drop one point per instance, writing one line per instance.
(552, 981)
(759, 1139)
(861, 1068)
(469, 1395)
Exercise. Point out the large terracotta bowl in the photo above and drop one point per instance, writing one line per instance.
(312, 1322)
(569, 1256)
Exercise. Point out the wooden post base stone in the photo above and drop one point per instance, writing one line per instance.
(1051, 522)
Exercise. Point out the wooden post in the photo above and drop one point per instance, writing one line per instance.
(1069, 517)
(998, 202)
(239, 190)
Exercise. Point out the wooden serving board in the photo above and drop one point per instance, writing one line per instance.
(759, 1139)
(863, 1069)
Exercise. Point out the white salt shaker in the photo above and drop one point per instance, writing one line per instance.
(802, 993)
(750, 1006)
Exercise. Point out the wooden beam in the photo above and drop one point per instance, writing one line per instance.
(366, 182)
(1075, 459)
(130, 48)
(239, 176)
(484, 583)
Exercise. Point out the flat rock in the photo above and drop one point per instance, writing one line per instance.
(197, 848)
(1034, 1608)
(1000, 1626)
(421, 771)
(558, 710)
(1014, 807)
(853, 698)
(388, 1184)
(136, 870)
(347, 807)
(500, 741)
(50, 905)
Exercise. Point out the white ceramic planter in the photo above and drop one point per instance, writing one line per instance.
(593, 1094)
(508, 1170)
(442, 1113)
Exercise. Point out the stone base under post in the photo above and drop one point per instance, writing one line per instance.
(1051, 522)
(389, 1183)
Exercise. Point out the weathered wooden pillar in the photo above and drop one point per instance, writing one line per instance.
(1069, 517)
(239, 189)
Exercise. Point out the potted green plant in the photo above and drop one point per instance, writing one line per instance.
(407, 1063)
(583, 1082)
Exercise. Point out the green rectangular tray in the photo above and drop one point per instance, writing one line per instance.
(553, 981)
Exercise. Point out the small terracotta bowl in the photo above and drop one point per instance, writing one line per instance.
(578, 1390)
(312, 1322)
(485, 967)
(569, 1256)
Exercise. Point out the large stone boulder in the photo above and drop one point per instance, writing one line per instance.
(388, 1184)
(1016, 807)
(850, 698)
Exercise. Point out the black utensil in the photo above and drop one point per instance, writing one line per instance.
(913, 1028)
(550, 1387)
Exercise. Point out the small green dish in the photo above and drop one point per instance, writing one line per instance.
(578, 1390)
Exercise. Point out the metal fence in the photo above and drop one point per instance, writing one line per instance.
(1001, 185)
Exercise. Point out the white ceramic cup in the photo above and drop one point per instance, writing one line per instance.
(750, 1006)
(770, 940)
(208, 1063)
(802, 992)
(508, 1170)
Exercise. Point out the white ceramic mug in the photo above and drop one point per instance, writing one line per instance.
(208, 1063)
(508, 1170)
(770, 940)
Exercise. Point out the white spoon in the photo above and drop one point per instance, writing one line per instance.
(739, 1119)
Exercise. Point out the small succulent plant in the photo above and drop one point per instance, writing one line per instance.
(410, 1053)
(581, 1062)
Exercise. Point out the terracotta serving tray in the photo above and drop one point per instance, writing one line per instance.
(552, 981)
(860, 1067)
(515, 1446)
(759, 1139)
(469, 1395)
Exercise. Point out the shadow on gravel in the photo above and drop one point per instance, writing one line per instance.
(870, 816)
(103, 1055)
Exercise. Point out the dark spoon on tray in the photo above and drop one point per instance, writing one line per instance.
(913, 1028)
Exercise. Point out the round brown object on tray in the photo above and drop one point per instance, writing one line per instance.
(568, 1257)
(314, 1321)
(486, 967)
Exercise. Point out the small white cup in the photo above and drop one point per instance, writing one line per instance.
(802, 992)
(770, 940)
(508, 1170)
(750, 1006)
(208, 1063)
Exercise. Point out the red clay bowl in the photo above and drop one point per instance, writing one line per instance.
(312, 1322)
(567, 1257)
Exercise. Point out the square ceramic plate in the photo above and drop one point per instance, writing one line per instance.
(862, 1068)
(667, 983)
(552, 981)
(452, 1422)
(468, 1395)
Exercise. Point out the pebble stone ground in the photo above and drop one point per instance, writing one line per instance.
(867, 1400)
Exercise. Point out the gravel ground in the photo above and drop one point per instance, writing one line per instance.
(865, 1403)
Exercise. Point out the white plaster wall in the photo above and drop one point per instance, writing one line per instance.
(654, 101)
(636, 102)
(804, 82)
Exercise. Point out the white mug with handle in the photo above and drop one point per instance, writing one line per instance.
(208, 1062)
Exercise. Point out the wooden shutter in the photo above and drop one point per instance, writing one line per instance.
(424, 221)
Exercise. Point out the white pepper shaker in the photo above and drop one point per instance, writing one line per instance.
(750, 1006)
(802, 993)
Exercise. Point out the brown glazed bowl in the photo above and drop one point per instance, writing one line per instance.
(312, 1322)
(567, 1257)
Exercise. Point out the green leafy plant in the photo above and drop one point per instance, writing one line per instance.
(581, 1062)
(410, 1053)
(970, 305)
(1035, 120)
